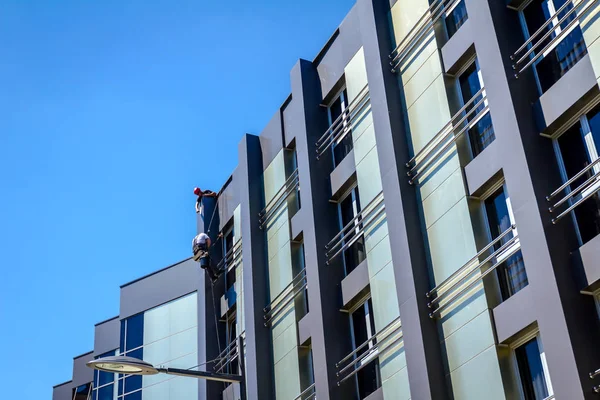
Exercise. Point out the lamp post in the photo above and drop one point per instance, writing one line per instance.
(135, 366)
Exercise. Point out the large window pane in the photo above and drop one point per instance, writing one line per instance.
(511, 273)
(570, 49)
(531, 371)
(342, 135)
(456, 18)
(481, 133)
(349, 209)
(363, 327)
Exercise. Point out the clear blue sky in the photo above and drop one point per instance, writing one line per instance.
(110, 112)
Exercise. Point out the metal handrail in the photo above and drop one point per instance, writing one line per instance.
(475, 257)
(232, 254)
(305, 391)
(543, 27)
(289, 181)
(440, 296)
(226, 359)
(435, 16)
(273, 200)
(469, 285)
(340, 130)
(583, 186)
(573, 179)
(300, 274)
(385, 328)
(228, 347)
(350, 105)
(396, 50)
(556, 39)
(574, 192)
(356, 235)
(379, 353)
(594, 374)
(294, 185)
(468, 126)
(373, 204)
(378, 347)
(284, 305)
(448, 125)
(597, 389)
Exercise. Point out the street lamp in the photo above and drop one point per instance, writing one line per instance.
(135, 366)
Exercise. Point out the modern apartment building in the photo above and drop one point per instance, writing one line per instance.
(419, 220)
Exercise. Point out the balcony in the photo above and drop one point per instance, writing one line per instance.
(423, 27)
(354, 230)
(291, 186)
(298, 286)
(463, 121)
(555, 45)
(464, 280)
(226, 361)
(232, 258)
(574, 198)
(338, 133)
(387, 339)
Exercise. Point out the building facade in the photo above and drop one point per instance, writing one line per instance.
(419, 220)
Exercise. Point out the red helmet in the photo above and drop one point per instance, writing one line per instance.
(197, 191)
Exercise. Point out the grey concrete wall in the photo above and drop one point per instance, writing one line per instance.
(259, 373)
(421, 340)
(106, 336)
(81, 373)
(346, 43)
(64, 391)
(330, 328)
(159, 288)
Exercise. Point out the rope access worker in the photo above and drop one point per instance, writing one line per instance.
(201, 193)
(201, 250)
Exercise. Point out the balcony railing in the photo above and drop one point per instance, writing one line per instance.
(355, 229)
(228, 355)
(469, 115)
(524, 57)
(285, 297)
(464, 279)
(416, 34)
(343, 124)
(586, 190)
(291, 185)
(385, 340)
(307, 394)
(232, 258)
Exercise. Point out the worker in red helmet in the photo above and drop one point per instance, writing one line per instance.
(201, 193)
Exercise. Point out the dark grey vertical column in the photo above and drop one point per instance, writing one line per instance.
(259, 373)
(208, 303)
(421, 340)
(330, 330)
(566, 318)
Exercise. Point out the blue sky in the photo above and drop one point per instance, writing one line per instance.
(110, 112)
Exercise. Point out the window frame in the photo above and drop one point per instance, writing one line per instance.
(473, 60)
(449, 11)
(592, 153)
(524, 339)
(509, 251)
(341, 94)
(555, 27)
(356, 209)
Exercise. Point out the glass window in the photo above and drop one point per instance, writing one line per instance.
(481, 130)
(511, 272)
(576, 149)
(82, 392)
(565, 53)
(166, 335)
(342, 138)
(349, 209)
(532, 371)
(456, 17)
(104, 382)
(368, 379)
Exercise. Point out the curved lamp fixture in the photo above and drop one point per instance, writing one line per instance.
(134, 366)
